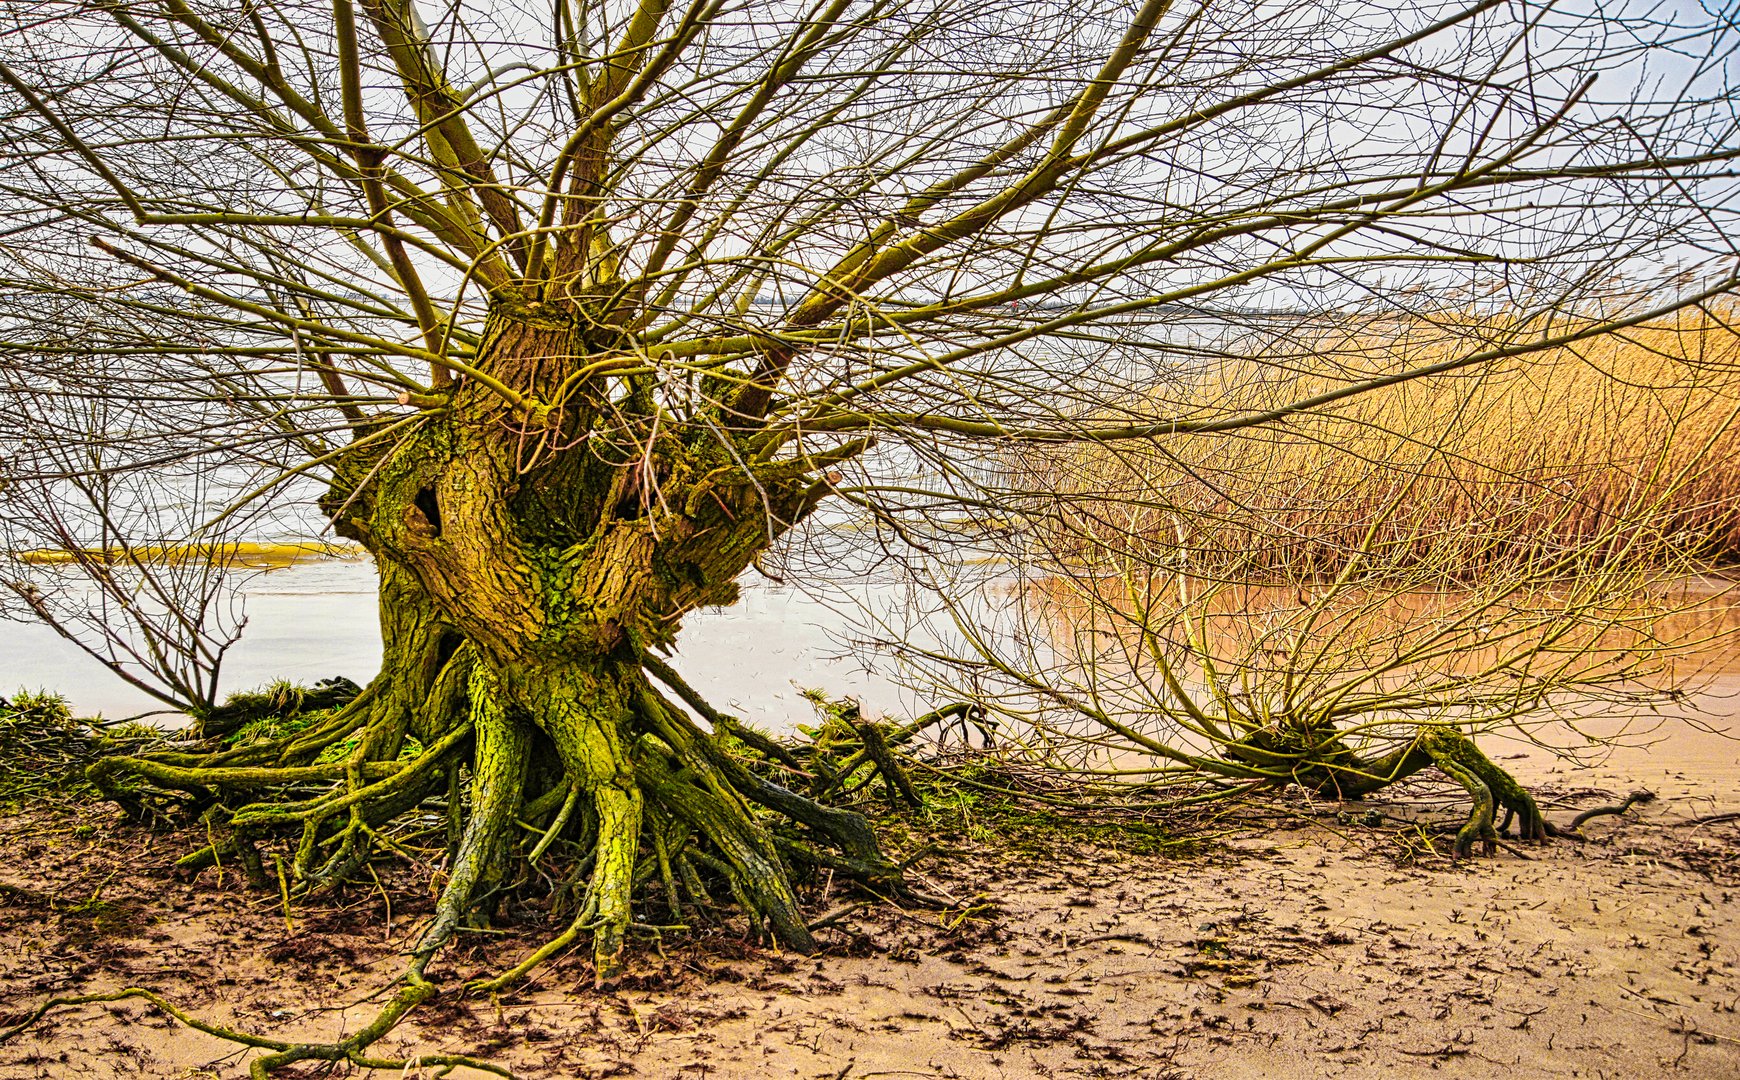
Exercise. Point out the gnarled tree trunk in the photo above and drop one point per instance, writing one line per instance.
(561, 543)
(533, 544)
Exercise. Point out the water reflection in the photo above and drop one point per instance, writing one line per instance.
(1675, 633)
(314, 619)
(1588, 692)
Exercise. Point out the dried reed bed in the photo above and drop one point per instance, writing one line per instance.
(1618, 449)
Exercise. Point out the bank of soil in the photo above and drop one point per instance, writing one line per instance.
(1300, 941)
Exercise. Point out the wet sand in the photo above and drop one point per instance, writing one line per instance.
(1299, 943)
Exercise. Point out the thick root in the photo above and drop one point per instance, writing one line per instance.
(1490, 786)
(618, 806)
(498, 777)
(586, 713)
(1318, 759)
(585, 786)
(1479, 828)
(280, 701)
(750, 860)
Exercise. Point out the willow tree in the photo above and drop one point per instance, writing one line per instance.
(580, 310)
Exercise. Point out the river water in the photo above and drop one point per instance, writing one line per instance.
(317, 618)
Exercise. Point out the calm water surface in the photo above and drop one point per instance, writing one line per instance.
(316, 619)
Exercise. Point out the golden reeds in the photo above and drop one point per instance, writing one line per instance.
(240, 553)
(1624, 447)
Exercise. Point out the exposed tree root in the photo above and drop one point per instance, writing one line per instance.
(609, 801)
(1488, 786)
(282, 1053)
(280, 701)
(1320, 760)
(1636, 798)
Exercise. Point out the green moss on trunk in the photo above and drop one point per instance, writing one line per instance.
(532, 548)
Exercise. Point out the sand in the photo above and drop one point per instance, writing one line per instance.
(1296, 940)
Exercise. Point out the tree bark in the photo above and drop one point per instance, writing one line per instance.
(533, 546)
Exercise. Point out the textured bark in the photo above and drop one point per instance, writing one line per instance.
(531, 553)
(1320, 761)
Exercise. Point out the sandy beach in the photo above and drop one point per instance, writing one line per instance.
(1287, 940)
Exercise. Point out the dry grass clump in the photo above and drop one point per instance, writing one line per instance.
(44, 749)
(1624, 448)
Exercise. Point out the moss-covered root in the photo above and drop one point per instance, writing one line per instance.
(585, 712)
(1488, 785)
(617, 802)
(1479, 827)
(498, 778)
(281, 700)
(750, 860)
(352, 1049)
